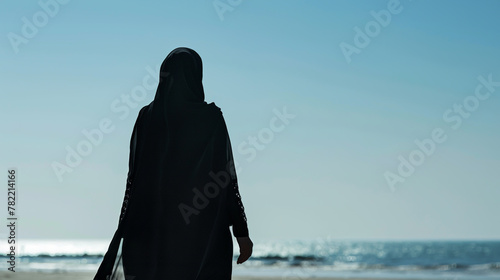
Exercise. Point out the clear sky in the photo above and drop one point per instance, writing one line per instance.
(349, 119)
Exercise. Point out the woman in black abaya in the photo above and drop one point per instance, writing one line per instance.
(182, 192)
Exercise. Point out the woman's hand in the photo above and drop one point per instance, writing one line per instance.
(246, 247)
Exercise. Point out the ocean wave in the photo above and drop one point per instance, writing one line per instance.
(471, 257)
(359, 266)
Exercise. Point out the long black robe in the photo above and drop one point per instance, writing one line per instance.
(182, 192)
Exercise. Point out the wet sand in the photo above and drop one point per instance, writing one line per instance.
(19, 275)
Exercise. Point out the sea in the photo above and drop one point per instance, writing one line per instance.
(298, 259)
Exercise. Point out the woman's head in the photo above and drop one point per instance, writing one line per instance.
(182, 72)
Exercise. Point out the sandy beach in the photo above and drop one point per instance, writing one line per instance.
(88, 276)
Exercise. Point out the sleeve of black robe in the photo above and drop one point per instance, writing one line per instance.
(130, 175)
(236, 211)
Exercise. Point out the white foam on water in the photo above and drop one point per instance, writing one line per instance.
(53, 247)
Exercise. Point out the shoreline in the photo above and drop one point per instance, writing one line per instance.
(65, 275)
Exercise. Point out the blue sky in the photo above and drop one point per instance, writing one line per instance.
(324, 173)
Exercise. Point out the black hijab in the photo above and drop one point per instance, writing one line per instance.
(182, 193)
(180, 90)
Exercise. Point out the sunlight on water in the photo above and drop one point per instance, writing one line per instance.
(35, 247)
(312, 258)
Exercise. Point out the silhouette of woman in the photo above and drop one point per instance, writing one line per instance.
(182, 192)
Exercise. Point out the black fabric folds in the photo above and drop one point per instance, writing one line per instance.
(182, 193)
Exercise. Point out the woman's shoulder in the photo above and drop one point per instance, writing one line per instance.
(217, 114)
(145, 109)
(214, 107)
(215, 110)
